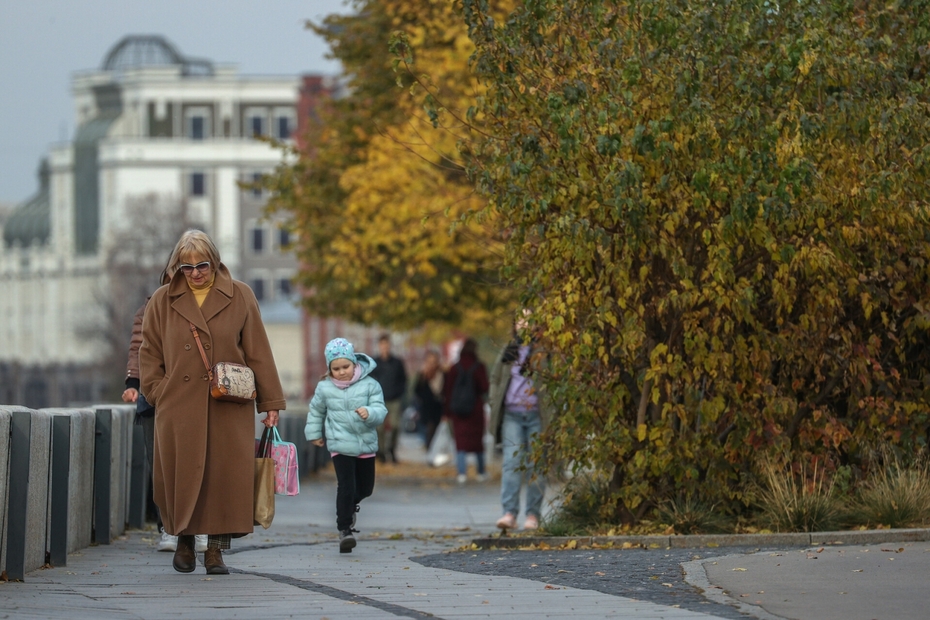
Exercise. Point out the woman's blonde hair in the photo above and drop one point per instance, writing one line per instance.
(194, 242)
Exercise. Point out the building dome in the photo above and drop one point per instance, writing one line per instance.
(30, 222)
(136, 51)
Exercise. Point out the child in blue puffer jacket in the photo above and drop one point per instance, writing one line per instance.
(352, 404)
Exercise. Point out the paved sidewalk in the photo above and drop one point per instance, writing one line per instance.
(414, 560)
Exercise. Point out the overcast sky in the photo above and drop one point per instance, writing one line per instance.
(43, 42)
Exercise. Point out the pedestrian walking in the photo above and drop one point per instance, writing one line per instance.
(427, 391)
(465, 387)
(352, 405)
(145, 417)
(392, 375)
(204, 465)
(519, 411)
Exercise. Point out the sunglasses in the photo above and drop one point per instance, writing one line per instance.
(203, 267)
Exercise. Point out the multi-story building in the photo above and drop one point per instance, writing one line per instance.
(162, 142)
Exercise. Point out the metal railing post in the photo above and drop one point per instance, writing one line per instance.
(103, 439)
(20, 447)
(61, 473)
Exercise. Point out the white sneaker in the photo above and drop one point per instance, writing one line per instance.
(461, 478)
(482, 478)
(167, 542)
(200, 543)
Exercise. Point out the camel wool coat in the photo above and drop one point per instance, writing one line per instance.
(203, 475)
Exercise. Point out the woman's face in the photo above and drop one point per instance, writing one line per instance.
(342, 369)
(431, 363)
(197, 269)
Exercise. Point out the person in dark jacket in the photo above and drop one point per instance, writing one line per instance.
(392, 376)
(468, 430)
(427, 390)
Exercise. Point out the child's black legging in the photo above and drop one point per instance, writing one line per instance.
(355, 480)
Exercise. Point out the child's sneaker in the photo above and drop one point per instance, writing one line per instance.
(461, 479)
(507, 522)
(167, 542)
(482, 478)
(355, 515)
(346, 541)
(200, 543)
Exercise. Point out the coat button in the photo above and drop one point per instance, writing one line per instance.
(206, 346)
(187, 377)
(205, 377)
(187, 347)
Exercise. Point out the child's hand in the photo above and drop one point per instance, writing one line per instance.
(362, 413)
(318, 442)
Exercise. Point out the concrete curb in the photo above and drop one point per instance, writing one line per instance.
(694, 541)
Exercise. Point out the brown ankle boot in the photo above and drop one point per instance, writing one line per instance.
(213, 560)
(185, 560)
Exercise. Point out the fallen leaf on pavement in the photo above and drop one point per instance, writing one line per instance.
(858, 570)
(742, 570)
(600, 574)
(551, 587)
(668, 585)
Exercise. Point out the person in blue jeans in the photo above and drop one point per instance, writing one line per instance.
(519, 410)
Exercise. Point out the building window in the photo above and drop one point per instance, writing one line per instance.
(255, 124)
(284, 128)
(258, 287)
(258, 240)
(198, 184)
(284, 239)
(197, 128)
(284, 288)
(197, 123)
(256, 179)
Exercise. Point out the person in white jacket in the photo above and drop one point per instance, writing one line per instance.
(352, 404)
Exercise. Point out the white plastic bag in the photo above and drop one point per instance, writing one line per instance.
(442, 449)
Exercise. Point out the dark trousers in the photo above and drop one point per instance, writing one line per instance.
(355, 480)
(148, 430)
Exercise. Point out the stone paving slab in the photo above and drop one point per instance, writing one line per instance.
(885, 581)
(380, 579)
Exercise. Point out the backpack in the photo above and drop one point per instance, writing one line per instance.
(464, 396)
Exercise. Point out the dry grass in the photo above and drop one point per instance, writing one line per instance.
(894, 495)
(798, 501)
(690, 515)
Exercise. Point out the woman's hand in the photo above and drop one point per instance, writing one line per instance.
(318, 442)
(362, 413)
(271, 419)
(130, 395)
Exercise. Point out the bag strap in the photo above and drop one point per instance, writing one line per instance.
(264, 445)
(203, 355)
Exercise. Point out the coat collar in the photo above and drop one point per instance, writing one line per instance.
(183, 301)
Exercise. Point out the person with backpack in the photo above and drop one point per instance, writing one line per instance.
(464, 389)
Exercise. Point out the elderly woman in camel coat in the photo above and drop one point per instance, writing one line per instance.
(204, 448)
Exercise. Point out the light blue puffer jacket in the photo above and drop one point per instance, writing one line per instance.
(346, 432)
